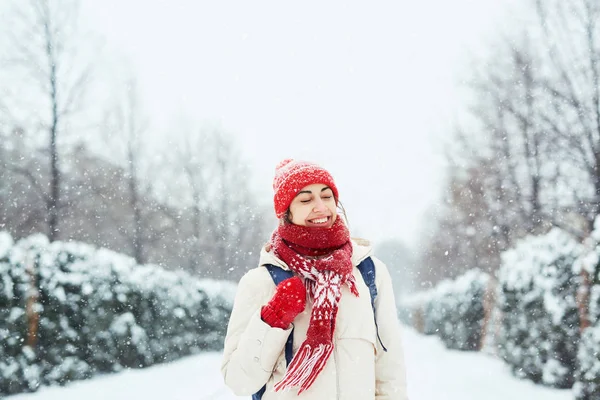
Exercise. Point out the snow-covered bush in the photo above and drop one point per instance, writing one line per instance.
(587, 385)
(539, 333)
(410, 309)
(16, 371)
(437, 309)
(97, 311)
(453, 310)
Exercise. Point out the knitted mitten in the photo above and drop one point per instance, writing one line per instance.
(288, 301)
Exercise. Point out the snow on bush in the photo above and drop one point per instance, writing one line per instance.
(453, 310)
(587, 385)
(539, 333)
(98, 312)
(17, 372)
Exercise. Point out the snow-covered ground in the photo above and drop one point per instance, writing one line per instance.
(433, 373)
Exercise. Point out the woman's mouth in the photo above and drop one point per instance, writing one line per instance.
(321, 221)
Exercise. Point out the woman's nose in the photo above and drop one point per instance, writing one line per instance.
(320, 206)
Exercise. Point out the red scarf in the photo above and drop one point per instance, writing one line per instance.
(323, 257)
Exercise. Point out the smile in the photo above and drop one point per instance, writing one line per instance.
(319, 220)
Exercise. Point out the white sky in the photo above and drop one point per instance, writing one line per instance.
(364, 88)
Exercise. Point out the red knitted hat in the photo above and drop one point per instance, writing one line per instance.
(291, 176)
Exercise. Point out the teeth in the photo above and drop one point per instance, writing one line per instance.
(320, 220)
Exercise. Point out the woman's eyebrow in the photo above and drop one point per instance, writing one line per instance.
(309, 192)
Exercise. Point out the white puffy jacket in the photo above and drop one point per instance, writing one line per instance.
(359, 368)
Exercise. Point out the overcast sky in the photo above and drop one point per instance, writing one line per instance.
(364, 88)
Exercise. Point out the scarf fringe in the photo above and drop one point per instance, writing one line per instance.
(305, 367)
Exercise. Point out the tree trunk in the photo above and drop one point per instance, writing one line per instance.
(583, 296)
(134, 201)
(53, 201)
(33, 317)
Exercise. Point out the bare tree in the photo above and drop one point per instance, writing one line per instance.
(225, 226)
(125, 129)
(22, 209)
(463, 231)
(535, 124)
(508, 114)
(571, 46)
(41, 34)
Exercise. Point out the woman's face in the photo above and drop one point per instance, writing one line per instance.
(314, 206)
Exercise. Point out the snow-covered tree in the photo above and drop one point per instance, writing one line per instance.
(70, 310)
(537, 291)
(587, 386)
(18, 372)
(453, 310)
(48, 76)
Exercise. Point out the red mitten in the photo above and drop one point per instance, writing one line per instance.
(288, 301)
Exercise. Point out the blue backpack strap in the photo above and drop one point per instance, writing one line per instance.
(258, 395)
(279, 274)
(367, 270)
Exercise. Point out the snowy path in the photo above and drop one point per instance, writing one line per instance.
(434, 373)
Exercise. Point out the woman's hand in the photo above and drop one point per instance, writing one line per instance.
(288, 301)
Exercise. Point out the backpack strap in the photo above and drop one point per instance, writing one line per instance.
(367, 270)
(279, 274)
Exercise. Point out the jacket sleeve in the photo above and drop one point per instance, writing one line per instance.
(390, 369)
(252, 347)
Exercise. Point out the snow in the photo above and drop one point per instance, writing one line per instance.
(6, 243)
(433, 373)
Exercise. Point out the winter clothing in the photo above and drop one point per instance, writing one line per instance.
(358, 369)
(297, 245)
(288, 301)
(291, 176)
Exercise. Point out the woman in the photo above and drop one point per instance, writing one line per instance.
(341, 350)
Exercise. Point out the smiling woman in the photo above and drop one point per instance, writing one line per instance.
(314, 206)
(317, 318)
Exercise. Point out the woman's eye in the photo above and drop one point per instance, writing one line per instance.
(327, 197)
(304, 201)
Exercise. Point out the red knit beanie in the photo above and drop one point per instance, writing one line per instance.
(291, 176)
